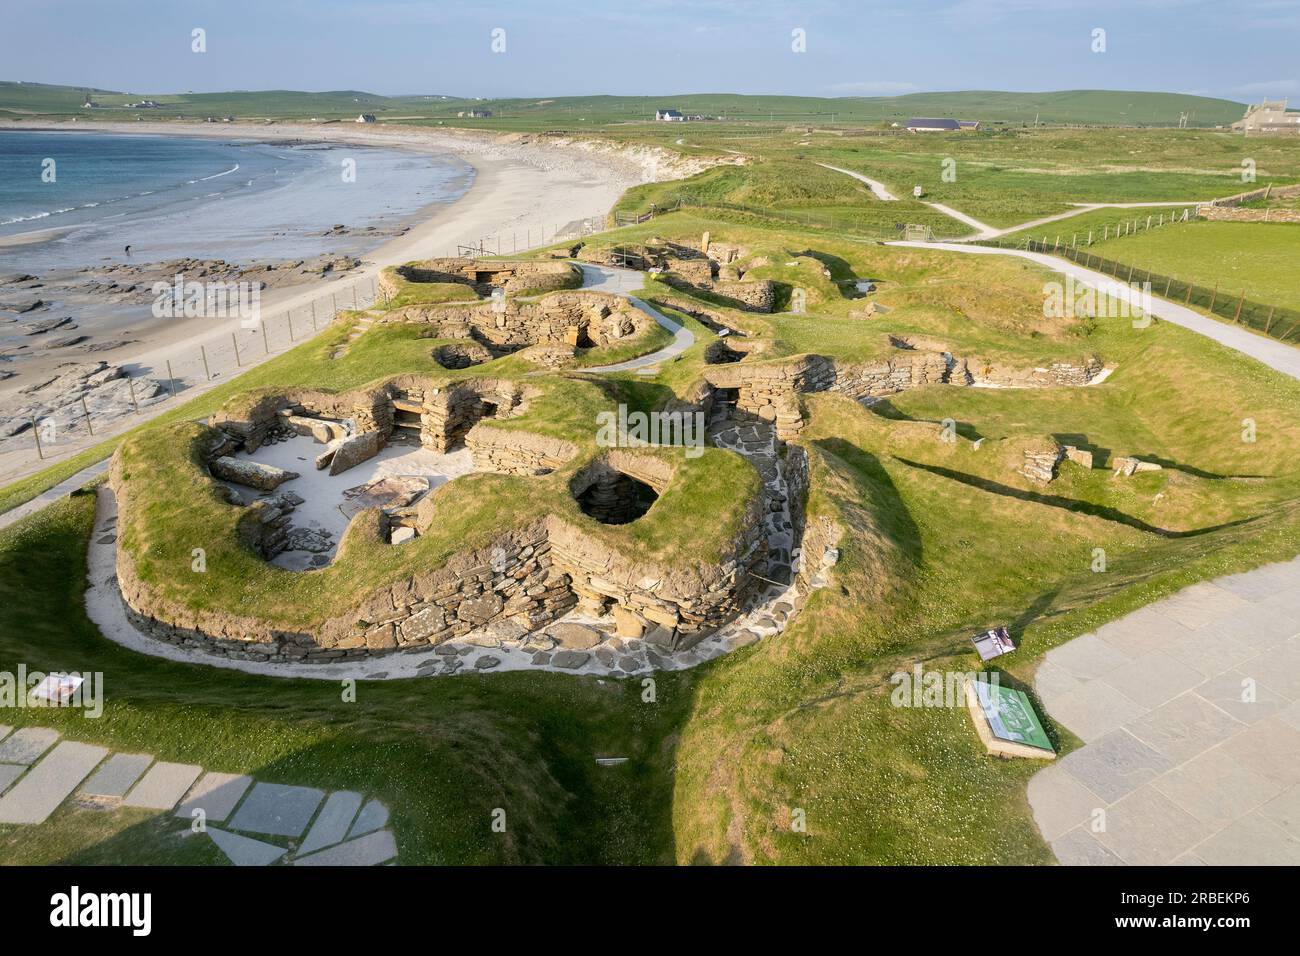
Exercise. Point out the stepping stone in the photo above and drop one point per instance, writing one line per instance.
(332, 824)
(244, 851)
(162, 786)
(27, 744)
(48, 783)
(372, 816)
(117, 775)
(216, 795)
(369, 850)
(9, 772)
(278, 809)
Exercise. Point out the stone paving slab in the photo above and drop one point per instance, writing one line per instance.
(1143, 631)
(1262, 583)
(1115, 765)
(1271, 748)
(1087, 657)
(1093, 709)
(244, 851)
(1146, 828)
(1260, 627)
(278, 809)
(1279, 669)
(162, 786)
(1209, 653)
(332, 824)
(1284, 810)
(9, 772)
(27, 744)
(372, 816)
(369, 850)
(1216, 789)
(117, 775)
(215, 794)
(1202, 604)
(1184, 727)
(1153, 678)
(1250, 841)
(1081, 848)
(1065, 803)
(49, 782)
(1227, 690)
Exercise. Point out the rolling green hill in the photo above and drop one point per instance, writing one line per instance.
(1092, 107)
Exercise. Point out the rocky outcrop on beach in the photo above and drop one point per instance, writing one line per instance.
(135, 282)
(103, 390)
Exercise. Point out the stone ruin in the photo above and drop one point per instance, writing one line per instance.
(560, 320)
(485, 275)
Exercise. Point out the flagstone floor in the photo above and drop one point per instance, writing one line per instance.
(38, 772)
(1190, 711)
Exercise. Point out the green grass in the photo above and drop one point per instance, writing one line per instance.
(1257, 258)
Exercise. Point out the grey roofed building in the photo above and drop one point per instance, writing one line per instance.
(670, 115)
(922, 125)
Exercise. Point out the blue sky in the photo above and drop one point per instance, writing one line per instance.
(1239, 49)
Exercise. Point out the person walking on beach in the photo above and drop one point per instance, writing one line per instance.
(128, 251)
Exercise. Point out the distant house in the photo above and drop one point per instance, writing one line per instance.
(90, 105)
(919, 125)
(366, 118)
(669, 116)
(144, 105)
(1270, 116)
(969, 124)
(475, 114)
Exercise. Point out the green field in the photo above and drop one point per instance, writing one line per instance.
(1258, 259)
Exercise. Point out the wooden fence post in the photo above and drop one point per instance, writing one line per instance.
(36, 433)
(207, 372)
(171, 379)
(1240, 302)
(1214, 297)
(234, 340)
(89, 425)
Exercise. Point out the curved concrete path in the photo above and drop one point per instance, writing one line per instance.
(621, 282)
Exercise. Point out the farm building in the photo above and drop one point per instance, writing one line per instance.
(366, 118)
(669, 116)
(918, 125)
(1270, 116)
(475, 114)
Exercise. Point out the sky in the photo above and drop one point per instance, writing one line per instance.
(1236, 49)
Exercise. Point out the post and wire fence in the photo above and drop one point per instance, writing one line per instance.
(1233, 304)
(71, 423)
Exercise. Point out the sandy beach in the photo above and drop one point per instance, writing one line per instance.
(525, 189)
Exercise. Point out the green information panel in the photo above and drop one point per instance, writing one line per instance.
(1010, 715)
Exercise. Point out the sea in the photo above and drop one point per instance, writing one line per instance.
(88, 195)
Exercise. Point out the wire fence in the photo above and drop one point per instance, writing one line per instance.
(1275, 321)
(1122, 228)
(75, 419)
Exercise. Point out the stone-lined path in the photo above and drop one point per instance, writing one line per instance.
(38, 773)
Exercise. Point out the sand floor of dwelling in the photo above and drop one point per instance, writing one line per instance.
(324, 505)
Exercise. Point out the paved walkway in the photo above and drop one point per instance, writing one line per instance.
(1190, 711)
(622, 282)
(63, 488)
(38, 773)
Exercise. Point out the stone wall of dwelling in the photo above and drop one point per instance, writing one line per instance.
(897, 373)
(449, 412)
(561, 318)
(985, 372)
(515, 452)
(484, 275)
